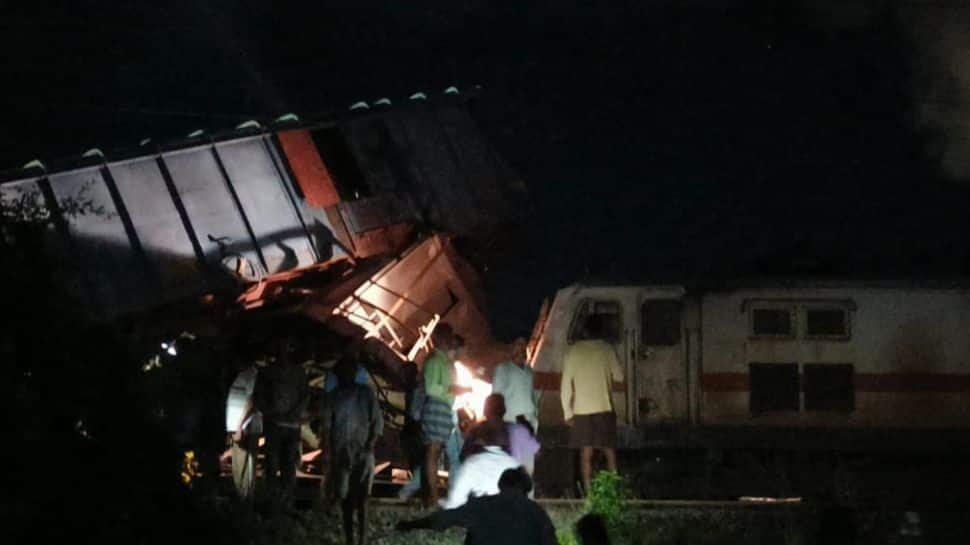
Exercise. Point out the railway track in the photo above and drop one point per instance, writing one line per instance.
(752, 503)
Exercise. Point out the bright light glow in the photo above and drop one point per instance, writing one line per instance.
(473, 401)
(169, 348)
(310, 456)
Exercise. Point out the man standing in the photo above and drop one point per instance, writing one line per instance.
(437, 416)
(282, 395)
(589, 369)
(508, 517)
(351, 422)
(245, 424)
(514, 381)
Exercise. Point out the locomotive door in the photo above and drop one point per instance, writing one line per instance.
(660, 377)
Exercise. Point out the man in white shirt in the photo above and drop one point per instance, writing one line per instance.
(509, 518)
(590, 367)
(479, 475)
(513, 379)
(245, 424)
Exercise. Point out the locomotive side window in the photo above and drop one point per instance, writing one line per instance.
(772, 322)
(601, 315)
(826, 323)
(660, 322)
(829, 387)
(773, 387)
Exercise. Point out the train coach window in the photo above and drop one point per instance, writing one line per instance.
(772, 322)
(826, 323)
(773, 387)
(829, 387)
(660, 323)
(600, 318)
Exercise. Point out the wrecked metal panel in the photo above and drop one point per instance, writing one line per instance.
(278, 229)
(375, 212)
(163, 237)
(209, 204)
(308, 168)
(26, 191)
(380, 159)
(386, 240)
(484, 176)
(99, 240)
(409, 293)
(26, 195)
(439, 185)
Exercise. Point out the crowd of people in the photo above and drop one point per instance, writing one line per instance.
(490, 457)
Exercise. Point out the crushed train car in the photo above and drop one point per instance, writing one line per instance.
(342, 226)
(177, 220)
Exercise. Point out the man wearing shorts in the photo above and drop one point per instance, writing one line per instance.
(589, 369)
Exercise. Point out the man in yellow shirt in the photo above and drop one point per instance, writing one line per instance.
(589, 369)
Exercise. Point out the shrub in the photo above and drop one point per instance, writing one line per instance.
(608, 495)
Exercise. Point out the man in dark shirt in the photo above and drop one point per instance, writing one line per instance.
(282, 396)
(490, 432)
(351, 422)
(508, 517)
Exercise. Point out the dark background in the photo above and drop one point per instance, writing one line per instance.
(661, 141)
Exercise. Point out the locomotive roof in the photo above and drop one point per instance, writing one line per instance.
(796, 282)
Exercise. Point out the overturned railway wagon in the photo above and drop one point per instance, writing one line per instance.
(175, 220)
(347, 223)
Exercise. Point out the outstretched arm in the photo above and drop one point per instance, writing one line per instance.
(440, 520)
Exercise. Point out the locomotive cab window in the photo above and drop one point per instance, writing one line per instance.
(660, 322)
(826, 323)
(596, 319)
(772, 322)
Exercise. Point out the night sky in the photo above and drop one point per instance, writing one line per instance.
(675, 141)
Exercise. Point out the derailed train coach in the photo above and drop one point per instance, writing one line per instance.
(335, 231)
(167, 222)
(793, 364)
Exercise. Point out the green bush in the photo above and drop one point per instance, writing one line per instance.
(608, 497)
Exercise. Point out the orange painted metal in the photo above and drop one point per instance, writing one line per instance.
(309, 169)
